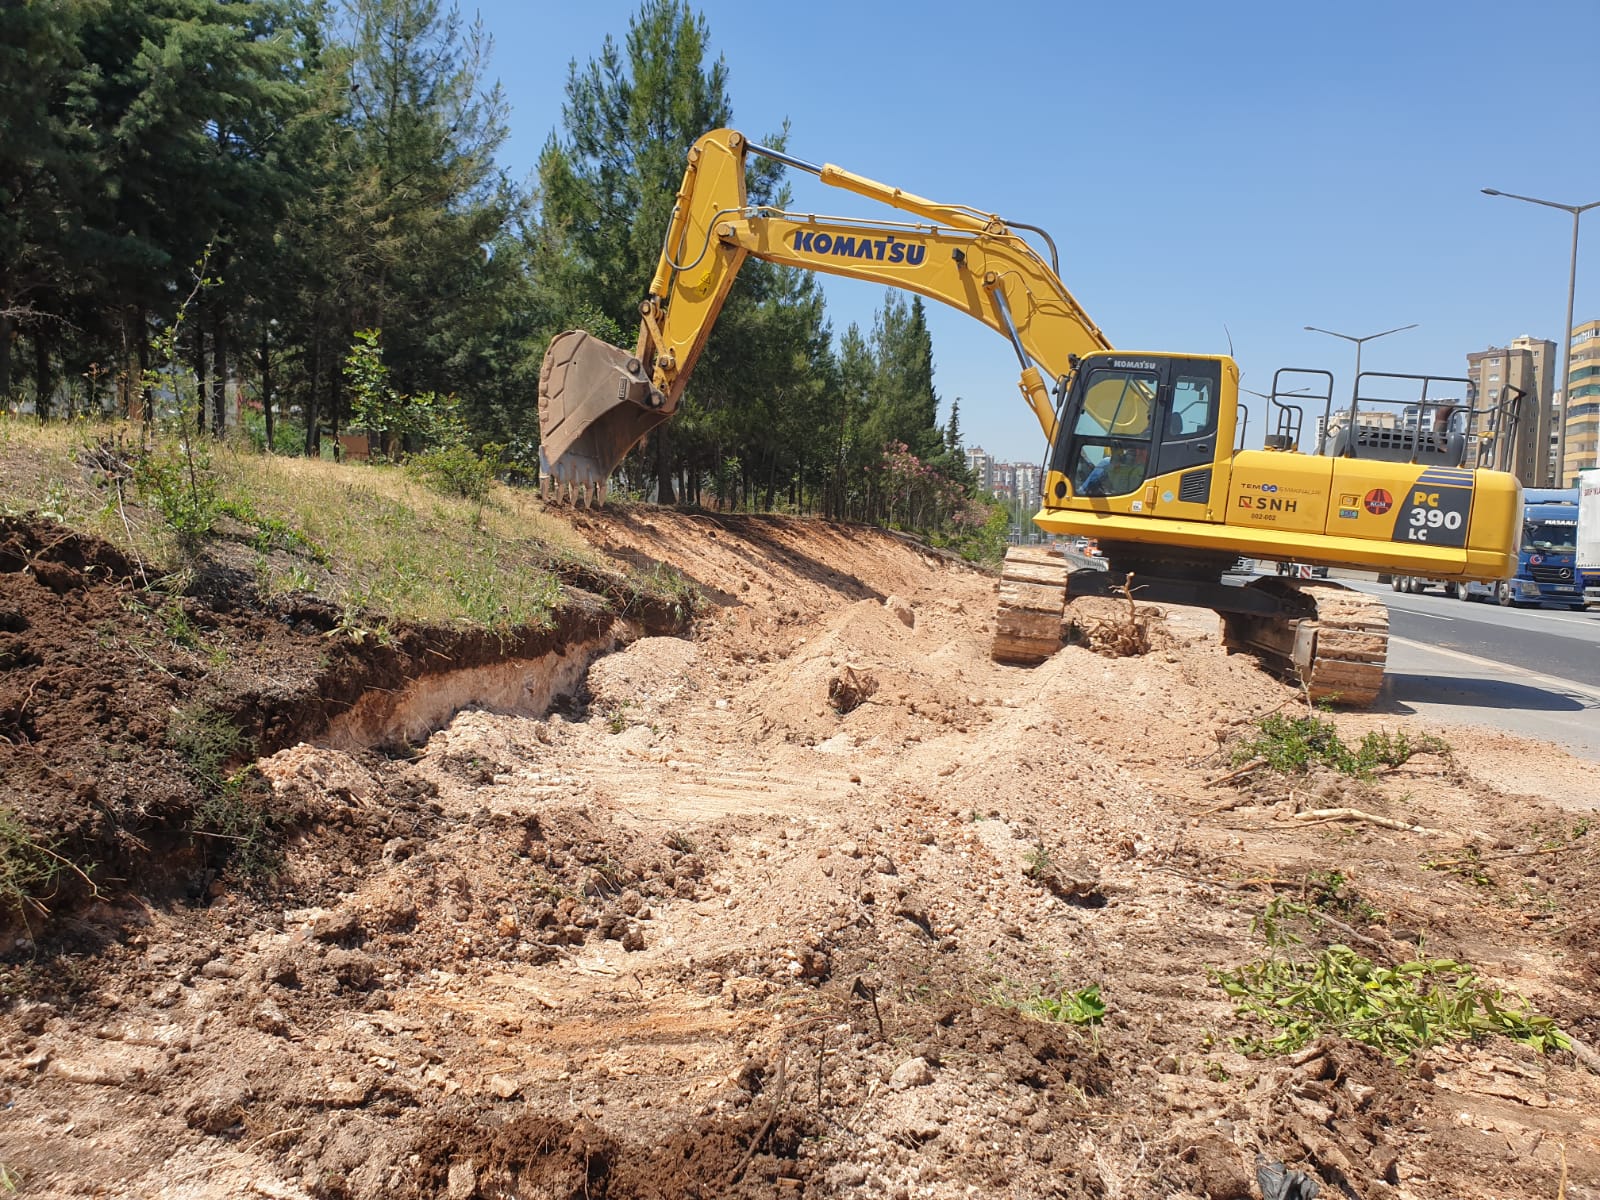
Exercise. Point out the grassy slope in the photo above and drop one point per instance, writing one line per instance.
(371, 539)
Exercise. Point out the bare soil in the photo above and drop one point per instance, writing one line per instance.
(744, 906)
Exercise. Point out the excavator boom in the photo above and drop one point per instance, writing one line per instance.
(597, 401)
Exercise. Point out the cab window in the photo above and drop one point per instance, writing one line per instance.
(1111, 437)
(1194, 406)
(1117, 403)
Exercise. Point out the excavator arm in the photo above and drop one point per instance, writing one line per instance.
(596, 402)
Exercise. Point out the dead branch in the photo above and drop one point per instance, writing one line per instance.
(1583, 1053)
(1483, 858)
(778, 1102)
(1237, 773)
(1316, 816)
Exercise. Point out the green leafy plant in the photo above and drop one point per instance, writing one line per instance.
(455, 471)
(617, 718)
(682, 843)
(1385, 749)
(176, 476)
(180, 629)
(236, 813)
(206, 740)
(177, 479)
(1039, 863)
(429, 417)
(1466, 863)
(272, 533)
(1397, 1010)
(1293, 745)
(1330, 891)
(1065, 1006)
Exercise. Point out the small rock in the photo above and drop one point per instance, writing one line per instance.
(901, 610)
(341, 925)
(1222, 1168)
(633, 939)
(347, 1093)
(462, 1181)
(914, 1072)
(848, 1175)
(269, 1018)
(503, 1087)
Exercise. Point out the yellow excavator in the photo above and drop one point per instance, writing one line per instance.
(1145, 448)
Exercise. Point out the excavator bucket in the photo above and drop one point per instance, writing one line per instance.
(595, 404)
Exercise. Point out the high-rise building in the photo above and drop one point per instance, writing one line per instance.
(981, 463)
(1522, 373)
(1581, 404)
(1030, 484)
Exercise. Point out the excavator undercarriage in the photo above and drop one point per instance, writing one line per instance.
(1329, 639)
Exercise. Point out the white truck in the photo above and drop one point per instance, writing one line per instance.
(1588, 559)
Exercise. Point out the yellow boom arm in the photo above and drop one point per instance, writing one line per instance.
(594, 402)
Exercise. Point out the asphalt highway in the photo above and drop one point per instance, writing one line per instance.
(1534, 672)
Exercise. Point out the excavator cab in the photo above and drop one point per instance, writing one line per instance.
(1128, 420)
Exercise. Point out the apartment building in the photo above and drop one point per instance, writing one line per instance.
(981, 463)
(1581, 403)
(1526, 368)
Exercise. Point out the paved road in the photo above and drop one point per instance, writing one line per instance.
(1530, 671)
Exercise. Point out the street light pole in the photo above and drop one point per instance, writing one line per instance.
(1577, 210)
(1355, 384)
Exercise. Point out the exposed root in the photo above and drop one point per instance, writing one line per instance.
(1122, 635)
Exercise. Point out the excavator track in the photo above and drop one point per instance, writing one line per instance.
(1033, 601)
(1336, 651)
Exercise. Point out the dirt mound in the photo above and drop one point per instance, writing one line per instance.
(817, 900)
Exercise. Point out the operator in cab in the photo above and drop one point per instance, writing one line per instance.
(1118, 473)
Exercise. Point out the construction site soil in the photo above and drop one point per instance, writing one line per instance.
(777, 897)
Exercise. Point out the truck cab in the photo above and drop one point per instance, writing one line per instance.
(1547, 570)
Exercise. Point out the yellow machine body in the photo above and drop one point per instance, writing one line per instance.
(1361, 512)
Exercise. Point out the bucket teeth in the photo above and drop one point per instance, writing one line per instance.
(564, 485)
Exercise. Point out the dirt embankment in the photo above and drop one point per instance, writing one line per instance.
(781, 908)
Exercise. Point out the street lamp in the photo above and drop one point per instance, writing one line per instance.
(1577, 210)
(1355, 384)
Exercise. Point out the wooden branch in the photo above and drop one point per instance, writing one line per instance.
(1483, 858)
(1318, 815)
(779, 1102)
(1237, 773)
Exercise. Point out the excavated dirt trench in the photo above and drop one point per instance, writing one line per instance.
(769, 911)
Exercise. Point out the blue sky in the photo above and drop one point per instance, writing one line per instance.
(1207, 170)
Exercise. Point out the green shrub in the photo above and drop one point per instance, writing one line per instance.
(1293, 745)
(1396, 1010)
(454, 471)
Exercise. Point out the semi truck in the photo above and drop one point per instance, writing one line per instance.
(1547, 570)
(1589, 534)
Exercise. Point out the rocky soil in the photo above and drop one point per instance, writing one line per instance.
(765, 907)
